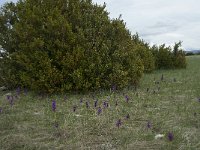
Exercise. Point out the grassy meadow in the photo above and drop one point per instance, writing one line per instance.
(167, 102)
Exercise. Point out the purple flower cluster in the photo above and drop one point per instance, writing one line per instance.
(127, 98)
(118, 123)
(170, 136)
(148, 125)
(99, 111)
(54, 105)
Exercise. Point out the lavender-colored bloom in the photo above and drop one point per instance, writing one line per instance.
(162, 77)
(148, 125)
(127, 116)
(105, 104)
(127, 98)
(170, 136)
(95, 103)
(116, 103)
(118, 123)
(114, 87)
(25, 91)
(81, 101)
(87, 104)
(8, 97)
(65, 98)
(74, 108)
(99, 111)
(1, 110)
(18, 90)
(54, 105)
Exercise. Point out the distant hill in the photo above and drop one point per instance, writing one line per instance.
(193, 51)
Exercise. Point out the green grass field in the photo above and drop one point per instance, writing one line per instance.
(170, 106)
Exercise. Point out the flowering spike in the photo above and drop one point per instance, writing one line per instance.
(87, 104)
(81, 101)
(25, 91)
(105, 104)
(170, 136)
(148, 125)
(95, 103)
(65, 98)
(18, 90)
(54, 105)
(127, 98)
(162, 77)
(116, 103)
(119, 123)
(99, 111)
(127, 116)
(74, 108)
(114, 88)
(8, 97)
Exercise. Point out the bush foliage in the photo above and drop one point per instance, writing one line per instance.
(169, 58)
(55, 46)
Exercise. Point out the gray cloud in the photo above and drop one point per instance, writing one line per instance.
(160, 21)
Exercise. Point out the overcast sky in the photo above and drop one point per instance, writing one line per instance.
(159, 21)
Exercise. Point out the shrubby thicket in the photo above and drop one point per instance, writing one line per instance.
(61, 45)
(168, 57)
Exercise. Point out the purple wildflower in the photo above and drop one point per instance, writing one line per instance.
(118, 123)
(116, 103)
(148, 125)
(162, 77)
(65, 98)
(127, 98)
(99, 111)
(81, 101)
(95, 103)
(127, 116)
(105, 104)
(54, 105)
(170, 136)
(74, 108)
(11, 102)
(87, 104)
(18, 90)
(1, 110)
(8, 97)
(114, 88)
(25, 91)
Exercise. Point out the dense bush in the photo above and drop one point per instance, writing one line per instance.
(144, 52)
(168, 58)
(55, 46)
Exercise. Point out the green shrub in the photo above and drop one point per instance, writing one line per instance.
(144, 52)
(56, 46)
(168, 58)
